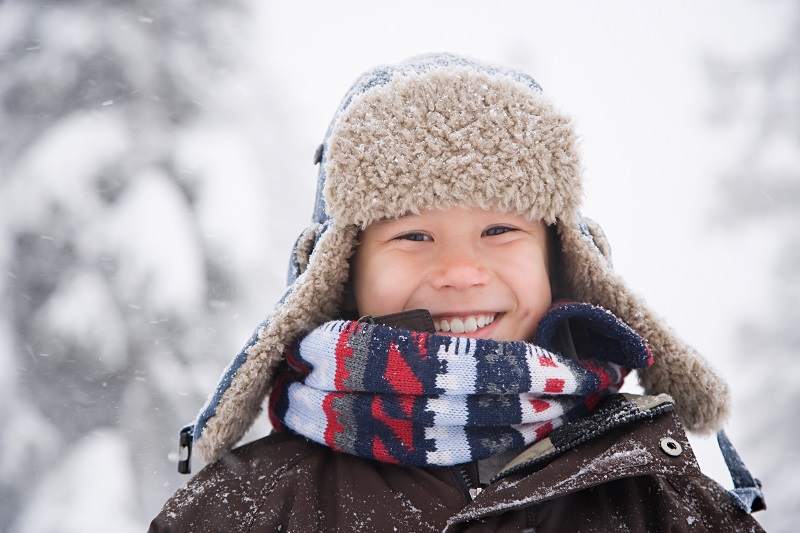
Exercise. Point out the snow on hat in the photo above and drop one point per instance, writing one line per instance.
(433, 132)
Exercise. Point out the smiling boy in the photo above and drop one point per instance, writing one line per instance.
(420, 376)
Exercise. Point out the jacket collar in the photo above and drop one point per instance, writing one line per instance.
(615, 411)
(594, 451)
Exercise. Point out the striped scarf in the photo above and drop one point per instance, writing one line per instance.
(417, 399)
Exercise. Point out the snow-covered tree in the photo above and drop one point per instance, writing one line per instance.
(116, 271)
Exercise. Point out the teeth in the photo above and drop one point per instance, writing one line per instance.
(466, 324)
(470, 324)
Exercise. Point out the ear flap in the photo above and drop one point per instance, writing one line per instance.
(701, 397)
(320, 259)
(301, 252)
(599, 237)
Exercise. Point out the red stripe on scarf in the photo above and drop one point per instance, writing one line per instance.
(295, 364)
(402, 428)
(540, 405)
(546, 361)
(343, 352)
(544, 430)
(407, 403)
(422, 344)
(623, 373)
(283, 380)
(593, 399)
(332, 427)
(380, 452)
(399, 374)
(605, 377)
(554, 385)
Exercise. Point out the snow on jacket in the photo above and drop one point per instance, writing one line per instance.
(627, 467)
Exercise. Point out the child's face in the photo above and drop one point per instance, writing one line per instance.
(480, 273)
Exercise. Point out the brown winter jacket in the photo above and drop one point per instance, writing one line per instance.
(628, 467)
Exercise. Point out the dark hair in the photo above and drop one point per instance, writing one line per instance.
(554, 263)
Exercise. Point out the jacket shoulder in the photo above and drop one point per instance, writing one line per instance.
(646, 479)
(227, 495)
(637, 476)
(285, 482)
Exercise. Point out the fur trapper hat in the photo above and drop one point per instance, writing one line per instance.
(434, 132)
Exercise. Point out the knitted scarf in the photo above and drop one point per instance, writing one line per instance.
(427, 399)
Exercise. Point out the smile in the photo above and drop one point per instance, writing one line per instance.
(464, 324)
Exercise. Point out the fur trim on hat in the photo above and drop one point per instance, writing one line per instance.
(455, 137)
(436, 132)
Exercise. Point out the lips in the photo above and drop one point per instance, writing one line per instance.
(463, 324)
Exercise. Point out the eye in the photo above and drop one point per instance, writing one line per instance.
(413, 236)
(498, 230)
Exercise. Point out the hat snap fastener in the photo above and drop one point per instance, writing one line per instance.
(671, 447)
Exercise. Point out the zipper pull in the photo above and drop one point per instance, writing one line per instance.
(474, 491)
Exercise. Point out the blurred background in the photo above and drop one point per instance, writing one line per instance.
(156, 164)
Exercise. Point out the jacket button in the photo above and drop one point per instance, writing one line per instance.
(671, 447)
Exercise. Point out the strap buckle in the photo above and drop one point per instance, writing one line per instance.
(185, 450)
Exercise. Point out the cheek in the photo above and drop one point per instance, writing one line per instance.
(534, 303)
(380, 285)
(541, 294)
(531, 283)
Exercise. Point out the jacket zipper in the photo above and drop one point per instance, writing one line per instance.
(465, 483)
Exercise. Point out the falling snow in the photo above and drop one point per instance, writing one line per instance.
(155, 169)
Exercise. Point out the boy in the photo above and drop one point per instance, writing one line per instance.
(420, 376)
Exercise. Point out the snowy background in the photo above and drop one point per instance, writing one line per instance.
(156, 166)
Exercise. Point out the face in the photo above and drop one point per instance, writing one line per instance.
(480, 273)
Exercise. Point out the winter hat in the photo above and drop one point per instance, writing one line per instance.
(433, 132)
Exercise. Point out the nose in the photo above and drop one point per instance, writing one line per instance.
(459, 266)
